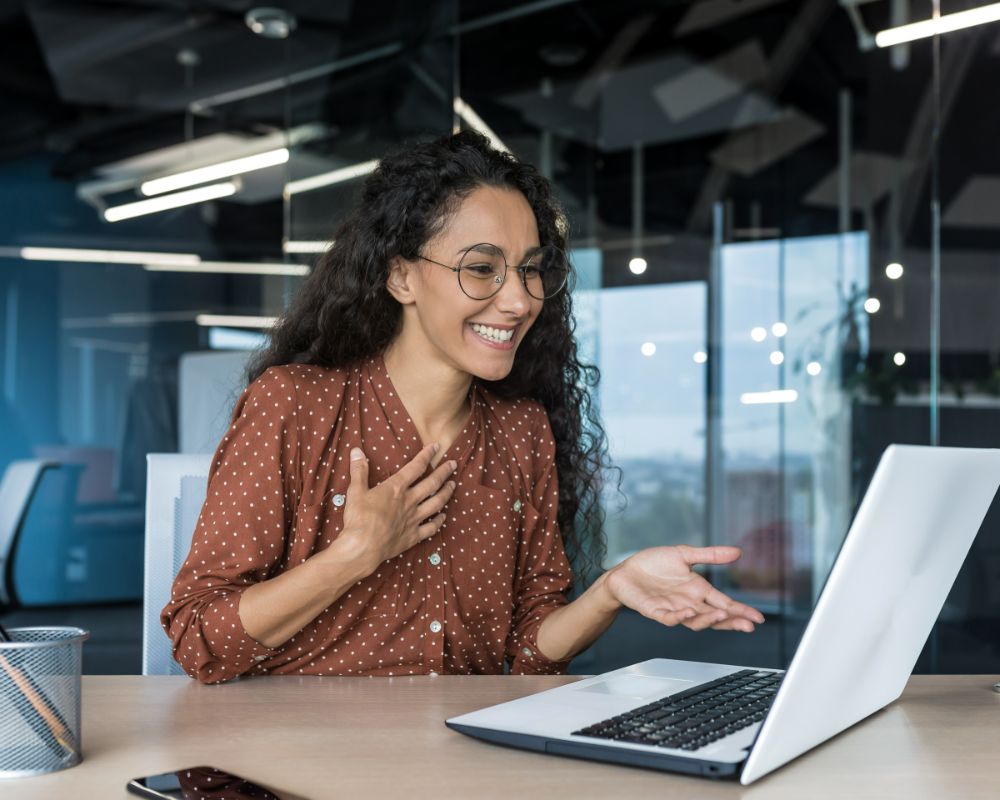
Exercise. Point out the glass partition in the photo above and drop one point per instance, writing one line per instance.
(785, 237)
(763, 186)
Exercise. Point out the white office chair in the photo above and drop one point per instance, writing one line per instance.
(175, 491)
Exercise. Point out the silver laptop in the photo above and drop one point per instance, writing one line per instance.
(897, 564)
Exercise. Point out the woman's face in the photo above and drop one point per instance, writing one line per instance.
(446, 320)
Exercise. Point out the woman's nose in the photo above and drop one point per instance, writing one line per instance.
(513, 296)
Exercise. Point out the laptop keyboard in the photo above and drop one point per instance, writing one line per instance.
(696, 717)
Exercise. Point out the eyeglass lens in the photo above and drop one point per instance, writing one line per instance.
(483, 267)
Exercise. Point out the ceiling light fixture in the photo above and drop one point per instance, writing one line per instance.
(304, 246)
(232, 267)
(328, 178)
(637, 265)
(271, 23)
(946, 23)
(86, 255)
(168, 201)
(234, 321)
(214, 172)
(464, 110)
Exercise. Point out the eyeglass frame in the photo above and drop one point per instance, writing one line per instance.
(520, 269)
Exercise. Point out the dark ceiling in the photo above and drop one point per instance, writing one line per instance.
(88, 83)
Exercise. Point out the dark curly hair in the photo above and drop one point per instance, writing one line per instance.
(405, 202)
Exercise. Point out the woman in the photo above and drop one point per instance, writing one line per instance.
(409, 465)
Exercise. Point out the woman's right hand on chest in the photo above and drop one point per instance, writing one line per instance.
(384, 521)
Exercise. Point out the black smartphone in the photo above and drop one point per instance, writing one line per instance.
(204, 783)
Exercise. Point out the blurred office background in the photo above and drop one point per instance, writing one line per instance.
(788, 242)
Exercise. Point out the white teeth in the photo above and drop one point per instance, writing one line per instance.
(494, 334)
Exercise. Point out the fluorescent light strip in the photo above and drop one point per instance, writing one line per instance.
(329, 178)
(943, 24)
(777, 396)
(213, 172)
(167, 201)
(128, 319)
(233, 267)
(303, 246)
(464, 110)
(89, 256)
(231, 321)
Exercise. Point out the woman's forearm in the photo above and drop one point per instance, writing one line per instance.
(573, 628)
(274, 610)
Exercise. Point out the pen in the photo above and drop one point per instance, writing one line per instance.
(35, 707)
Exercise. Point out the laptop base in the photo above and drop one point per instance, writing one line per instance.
(600, 752)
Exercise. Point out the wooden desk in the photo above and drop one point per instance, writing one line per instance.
(384, 737)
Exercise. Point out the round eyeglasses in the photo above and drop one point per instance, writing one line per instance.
(483, 269)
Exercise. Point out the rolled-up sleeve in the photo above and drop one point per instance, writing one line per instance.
(544, 576)
(240, 536)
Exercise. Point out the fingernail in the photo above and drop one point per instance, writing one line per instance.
(435, 447)
(454, 465)
(451, 484)
(357, 454)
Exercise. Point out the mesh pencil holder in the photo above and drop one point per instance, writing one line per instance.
(40, 700)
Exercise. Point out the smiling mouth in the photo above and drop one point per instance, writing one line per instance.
(503, 338)
(494, 335)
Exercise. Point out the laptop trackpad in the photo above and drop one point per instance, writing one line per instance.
(637, 686)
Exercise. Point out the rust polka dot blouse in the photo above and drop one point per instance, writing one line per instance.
(468, 600)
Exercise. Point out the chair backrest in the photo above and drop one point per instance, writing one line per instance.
(17, 487)
(175, 491)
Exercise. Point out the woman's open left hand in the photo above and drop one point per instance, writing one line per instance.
(659, 583)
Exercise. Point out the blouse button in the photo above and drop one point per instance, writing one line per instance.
(517, 505)
(526, 651)
(339, 500)
(435, 627)
(434, 558)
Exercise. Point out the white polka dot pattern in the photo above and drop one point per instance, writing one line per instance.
(468, 600)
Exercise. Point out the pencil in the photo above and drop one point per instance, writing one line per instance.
(37, 710)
